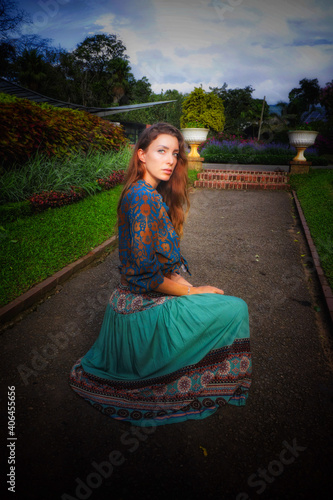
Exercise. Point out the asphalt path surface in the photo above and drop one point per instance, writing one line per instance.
(279, 446)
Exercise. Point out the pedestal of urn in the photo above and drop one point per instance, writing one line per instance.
(301, 140)
(194, 137)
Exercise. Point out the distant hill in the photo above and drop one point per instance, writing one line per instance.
(274, 108)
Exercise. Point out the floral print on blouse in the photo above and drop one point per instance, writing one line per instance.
(148, 243)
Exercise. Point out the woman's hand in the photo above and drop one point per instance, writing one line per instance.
(205, 289)
(171, 287)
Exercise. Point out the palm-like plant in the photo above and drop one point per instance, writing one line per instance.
(31, 69)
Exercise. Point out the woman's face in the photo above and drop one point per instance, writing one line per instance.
(160, 159)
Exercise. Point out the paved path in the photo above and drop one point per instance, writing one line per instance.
(278, 447)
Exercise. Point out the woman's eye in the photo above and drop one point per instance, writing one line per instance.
(176, 155)
(161, 150)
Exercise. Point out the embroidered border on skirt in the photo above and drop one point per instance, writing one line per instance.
(222, 376)
(123, 301)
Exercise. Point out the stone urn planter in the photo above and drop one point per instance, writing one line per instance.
(194, 137)
(301, 139)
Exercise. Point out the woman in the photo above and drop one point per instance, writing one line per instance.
(167, 351)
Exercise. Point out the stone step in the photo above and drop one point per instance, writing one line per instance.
(242, 179)
(241, 185)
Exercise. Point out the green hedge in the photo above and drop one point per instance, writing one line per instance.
(259, 159)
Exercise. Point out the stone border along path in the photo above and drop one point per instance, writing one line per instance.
(15, 309)
(326, 289)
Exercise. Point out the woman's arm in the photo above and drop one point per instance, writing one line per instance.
(179, 279)
(170, 287)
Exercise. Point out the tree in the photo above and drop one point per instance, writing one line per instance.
(204, 107)
(141, 90)
(7, 58)
(251, 117)
(98, 70)
(11, 19)
(301, 98)
(120, 78)
(326, 98)
(33, 42)
(32, 69)
(237, 104)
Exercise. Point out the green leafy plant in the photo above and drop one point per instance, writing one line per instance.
(306, 126)
(204, 108)
(195, 124)
(42, 173)
(28, 128)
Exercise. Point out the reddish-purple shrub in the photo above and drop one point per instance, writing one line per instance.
(113, 180)
(52, 199)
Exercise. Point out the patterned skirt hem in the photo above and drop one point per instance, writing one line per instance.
(197, 391)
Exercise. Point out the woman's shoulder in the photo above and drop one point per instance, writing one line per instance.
(141, 191)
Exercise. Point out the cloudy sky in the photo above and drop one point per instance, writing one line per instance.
(180, 44)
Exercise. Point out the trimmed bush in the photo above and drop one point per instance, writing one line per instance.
(259, 159)
(27, 128)
(203, 107)
(232, 149)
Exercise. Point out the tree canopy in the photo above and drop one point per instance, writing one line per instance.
(241, 109)
(98, 73)
(300, 98)
(204, 107)
(11, 19)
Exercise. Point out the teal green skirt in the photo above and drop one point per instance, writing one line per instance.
(162, 359)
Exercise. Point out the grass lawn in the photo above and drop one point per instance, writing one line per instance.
(192, 176)
(34, 248)
(315, 194)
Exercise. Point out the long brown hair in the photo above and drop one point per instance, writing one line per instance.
(173, 191)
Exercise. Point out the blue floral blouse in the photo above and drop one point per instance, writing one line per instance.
(148, 243)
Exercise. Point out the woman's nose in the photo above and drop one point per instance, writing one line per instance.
(171, 159)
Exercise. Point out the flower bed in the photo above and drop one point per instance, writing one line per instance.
(232, 149)
(53, 199)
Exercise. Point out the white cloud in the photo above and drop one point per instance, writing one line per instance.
(269, 44)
